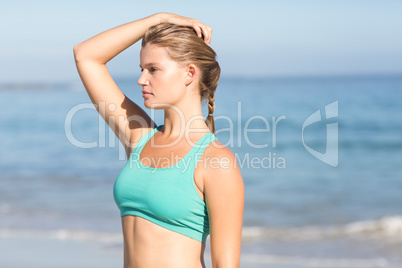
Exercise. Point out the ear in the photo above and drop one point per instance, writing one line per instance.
(191, 73)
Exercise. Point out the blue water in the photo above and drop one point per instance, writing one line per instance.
(296, 207)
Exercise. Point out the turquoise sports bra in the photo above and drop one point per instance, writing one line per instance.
(164, 196)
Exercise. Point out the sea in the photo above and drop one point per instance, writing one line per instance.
(320, 157)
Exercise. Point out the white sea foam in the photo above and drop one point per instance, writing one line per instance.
(387, 227)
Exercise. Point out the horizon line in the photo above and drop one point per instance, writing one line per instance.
(44, 82)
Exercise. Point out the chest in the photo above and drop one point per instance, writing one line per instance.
(169, 193)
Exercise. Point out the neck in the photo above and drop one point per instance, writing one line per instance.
(184, 119)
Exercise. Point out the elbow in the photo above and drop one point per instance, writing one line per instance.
(226, 258)
(82, 53)
(77, 52)
(226, 265)
(226, 262)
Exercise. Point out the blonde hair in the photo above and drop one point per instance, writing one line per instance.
(185, 46)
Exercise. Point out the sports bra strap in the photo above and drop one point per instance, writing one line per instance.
(195, 152)
(199, 149)
(145, 138)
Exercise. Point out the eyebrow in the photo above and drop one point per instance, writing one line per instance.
(149, 64)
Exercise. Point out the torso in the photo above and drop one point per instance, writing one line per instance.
(147, 244)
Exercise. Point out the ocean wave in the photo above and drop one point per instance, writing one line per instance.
(390, 227)
(265, 259)
(63, 234)
(385, 228)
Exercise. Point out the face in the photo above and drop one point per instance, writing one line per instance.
(162, 77)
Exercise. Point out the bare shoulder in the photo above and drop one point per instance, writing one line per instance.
(221, 167)
(220, 153)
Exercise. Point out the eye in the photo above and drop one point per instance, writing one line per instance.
(142, 70)
(152, 69)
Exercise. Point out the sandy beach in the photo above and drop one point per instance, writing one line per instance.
(45, 252)
(16, 252)
(21, 252)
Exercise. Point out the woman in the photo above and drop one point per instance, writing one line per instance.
(180, 184)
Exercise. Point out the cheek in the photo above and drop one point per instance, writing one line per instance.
(173, 84)
(174, 77)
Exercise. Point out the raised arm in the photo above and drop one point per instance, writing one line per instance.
(128, 121)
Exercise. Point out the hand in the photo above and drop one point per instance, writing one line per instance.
(200, 28)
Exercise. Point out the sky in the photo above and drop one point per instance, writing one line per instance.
(252, 39)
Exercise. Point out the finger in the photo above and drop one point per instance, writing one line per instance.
(197, 29)
(208, 40)
(209, 35)
(207, 31)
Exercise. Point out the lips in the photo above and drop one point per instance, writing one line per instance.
(146, 92)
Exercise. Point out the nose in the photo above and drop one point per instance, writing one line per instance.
(142, 81)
